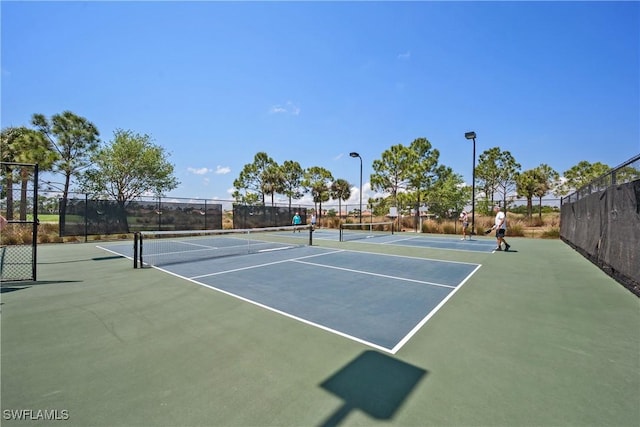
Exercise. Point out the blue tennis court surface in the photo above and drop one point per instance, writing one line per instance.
(378, 300)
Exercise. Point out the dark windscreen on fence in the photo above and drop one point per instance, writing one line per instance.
(91, 217)
(248, 216)
(601, 222)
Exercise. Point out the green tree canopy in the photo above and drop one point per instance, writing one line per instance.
(580, 175)
(292, 176)
(252, 177)
(130, 166)
(497, 171)
(448, 195)
(340, 191)
(316, 181)
(390, 172)
(23, 145)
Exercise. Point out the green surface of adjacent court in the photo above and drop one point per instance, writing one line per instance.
(538, 336)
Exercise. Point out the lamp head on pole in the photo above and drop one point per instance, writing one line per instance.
(354, 154)
(470, 135)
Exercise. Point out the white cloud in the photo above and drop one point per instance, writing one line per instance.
(288, 108)
(277, 109)
(404, 56)
(198, 171)
(222, 170)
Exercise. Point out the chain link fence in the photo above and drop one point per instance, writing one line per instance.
(19, 230)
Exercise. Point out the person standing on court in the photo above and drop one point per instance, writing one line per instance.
(313, 221)
(500, 225)
(464, 217)
(296, 221)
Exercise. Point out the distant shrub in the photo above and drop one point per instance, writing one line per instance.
(552, 233)
(449, 229)
(516, 230)
(430, 227)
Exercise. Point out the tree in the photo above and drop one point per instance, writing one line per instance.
(535, 182)
(128, 167)
(547, 176)
(246, 198)
(340, 190)
(449, 194)
(251, 178)
(272, 181)
(390, 172)
(9, 152)
(421, 171)
(580, 175)
(497, 171)
(75, 139)
(487, 172)
(24, 145)
(526, 185)
(292, 174)
(316, 181)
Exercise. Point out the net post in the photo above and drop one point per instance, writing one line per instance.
(135, 250)
(140, 244)
(311, 235)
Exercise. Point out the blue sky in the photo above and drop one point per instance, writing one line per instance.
(216, 82)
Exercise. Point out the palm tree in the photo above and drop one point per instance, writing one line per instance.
(293, 175)
(272, 181)
(27, 146)
(340, 190)
(316, 180)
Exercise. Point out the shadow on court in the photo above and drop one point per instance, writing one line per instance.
(374, 383)
(6, 287)
(102, 258)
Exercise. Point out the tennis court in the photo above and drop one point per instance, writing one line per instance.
(321, 335)
(379, 300)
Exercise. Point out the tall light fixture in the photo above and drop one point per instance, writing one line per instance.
(354, 154)
(472, 135)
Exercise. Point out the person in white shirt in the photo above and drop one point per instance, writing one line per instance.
(464, 217)
(500, 226)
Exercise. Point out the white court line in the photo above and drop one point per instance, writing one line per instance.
(393, 350)
(262, 265)
(375, 274)
(113, 252)
(411, 257)
(283, 313)
(205, 248)
(416, 328)
(441, 240)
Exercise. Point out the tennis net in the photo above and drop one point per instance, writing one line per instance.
(159, 248)
(365, 230)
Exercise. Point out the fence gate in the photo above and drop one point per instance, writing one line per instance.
(19, 233)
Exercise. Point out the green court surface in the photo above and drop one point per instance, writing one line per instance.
(536, 337)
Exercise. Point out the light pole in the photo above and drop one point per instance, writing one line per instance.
(472, 135)
(354, 154)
